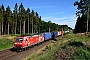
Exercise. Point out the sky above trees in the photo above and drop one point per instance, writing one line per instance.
(57, 11)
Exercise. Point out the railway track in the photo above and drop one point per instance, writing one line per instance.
(6, 54)
(1, 52)
(9, 55)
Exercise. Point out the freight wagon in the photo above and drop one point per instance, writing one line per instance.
(47, 36)
(59, 33)
(55, 34)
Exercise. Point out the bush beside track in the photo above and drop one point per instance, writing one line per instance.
(15, 34)
(6, 43)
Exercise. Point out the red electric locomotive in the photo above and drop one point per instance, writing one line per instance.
(23, 42)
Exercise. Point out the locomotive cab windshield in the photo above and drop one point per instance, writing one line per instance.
(19, 39)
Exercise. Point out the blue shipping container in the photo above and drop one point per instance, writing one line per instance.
(55, 34)
(47, 35)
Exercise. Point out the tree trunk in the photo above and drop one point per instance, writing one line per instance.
(28, 24)
(39, 30)
(5, 29)
(32, 26)
(2, 28)
(20, 25)
(15, 27)
(8, 28)
(24, 28)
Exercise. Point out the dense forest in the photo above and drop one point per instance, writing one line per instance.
(83, 16)
(24, 21)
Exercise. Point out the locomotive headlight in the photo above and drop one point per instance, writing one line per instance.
(15, 43)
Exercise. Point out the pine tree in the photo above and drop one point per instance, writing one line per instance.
(24, 20)
(83, 10)
(15, 13)
(8, 17)
(40, 23)
(20, 15)
(28, 14)
(3, 15)
(0, 19)
(32, 19)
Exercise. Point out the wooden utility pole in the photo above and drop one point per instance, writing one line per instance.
(49, 29)
(62, 32)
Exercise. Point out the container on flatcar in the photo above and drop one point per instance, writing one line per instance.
(59, 33)
(62, 32)
(55, 34)
(66, 31)
(47, 36)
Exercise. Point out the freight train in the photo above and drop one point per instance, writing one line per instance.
(23, 42)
